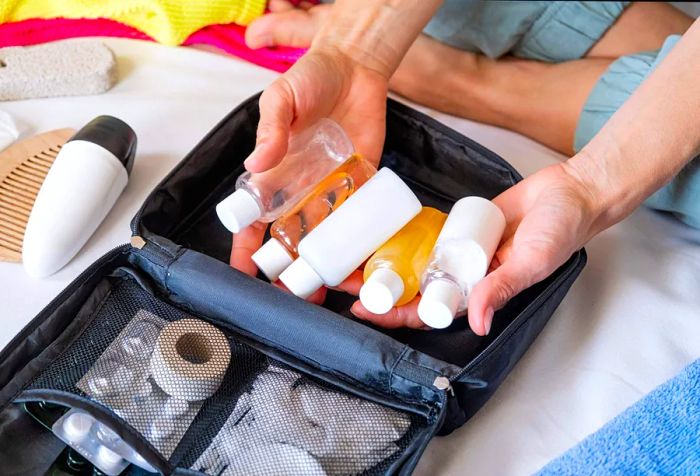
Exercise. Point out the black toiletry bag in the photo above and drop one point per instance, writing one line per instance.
(373, 398)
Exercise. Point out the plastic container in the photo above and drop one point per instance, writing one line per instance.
(341, 242)
(392, 275)
(288, 230)
(79, 430)
(84, 182)
(460, 259)
(312, 155)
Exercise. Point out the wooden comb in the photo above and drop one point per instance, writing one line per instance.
(23, 168)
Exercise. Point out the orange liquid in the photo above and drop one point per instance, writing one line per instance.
(328, 195)
(407, 252)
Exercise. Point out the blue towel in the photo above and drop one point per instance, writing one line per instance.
(658, 435)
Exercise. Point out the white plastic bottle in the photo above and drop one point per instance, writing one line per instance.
(340, 243)
(265, 196)
(460, 259)
(86, 178)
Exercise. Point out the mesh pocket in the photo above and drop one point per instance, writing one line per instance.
(288, 424)
(264, 418)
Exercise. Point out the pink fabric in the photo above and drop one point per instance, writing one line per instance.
(229, 38)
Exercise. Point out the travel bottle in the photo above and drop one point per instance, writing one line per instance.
(392, 275)
(341, 242)
(312, 155)
(288, 230)
(460, 259)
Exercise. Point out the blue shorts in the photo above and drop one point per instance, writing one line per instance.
(681, 196)
(545, 31)
(563, 31)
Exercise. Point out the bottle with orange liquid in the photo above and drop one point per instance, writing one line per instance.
(287, 231)
(392, 274)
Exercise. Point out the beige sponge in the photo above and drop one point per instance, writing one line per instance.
(62, 68)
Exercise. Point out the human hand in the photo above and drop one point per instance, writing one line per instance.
(549, 216)
(323, 83)
(344, 76)
(287, 25)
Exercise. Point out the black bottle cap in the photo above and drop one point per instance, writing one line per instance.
(112, 134)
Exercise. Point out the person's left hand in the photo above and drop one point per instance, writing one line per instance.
(326, 82)
(549, 216)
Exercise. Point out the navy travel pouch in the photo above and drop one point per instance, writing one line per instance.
(310, 389)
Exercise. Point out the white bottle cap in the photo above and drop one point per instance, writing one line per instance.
(381, 291)
(439, 303)
(238, 210)
(77, 426)
(301, 279)
(272, 258)
(107, 460)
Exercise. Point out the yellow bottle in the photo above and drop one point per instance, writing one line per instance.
(392, 274)
(288, 230)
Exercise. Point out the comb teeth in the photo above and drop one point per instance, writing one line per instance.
(18, 191)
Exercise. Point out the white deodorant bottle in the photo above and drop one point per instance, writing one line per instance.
(312, 155)
(341, 242)
(460, 259)
(86, 178)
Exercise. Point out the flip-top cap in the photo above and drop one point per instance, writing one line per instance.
(238, 210)
(301, 279)
(381, 291)
(112, 134)
(439, 303)
(272, 258)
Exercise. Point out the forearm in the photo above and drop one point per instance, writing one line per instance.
(375, 33)
(649, 139)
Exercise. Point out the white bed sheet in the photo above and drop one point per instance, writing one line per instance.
(630, 322)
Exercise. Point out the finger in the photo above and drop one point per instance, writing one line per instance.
(402, 316)
(246, 243)
(352, 283)
(292, 27)
(277, 107)
(316, 298)
(279, 5)
(493, 292)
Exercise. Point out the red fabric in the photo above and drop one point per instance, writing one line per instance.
(229, 38)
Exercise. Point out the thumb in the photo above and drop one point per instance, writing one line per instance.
(295, 27)
(516, 273)
(276, 113)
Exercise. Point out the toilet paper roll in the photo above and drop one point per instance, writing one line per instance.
(190, 359)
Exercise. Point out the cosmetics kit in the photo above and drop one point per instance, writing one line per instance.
(160, 357)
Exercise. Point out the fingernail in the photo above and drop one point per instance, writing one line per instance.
(488, 318)
(250, 159)
(264, 41)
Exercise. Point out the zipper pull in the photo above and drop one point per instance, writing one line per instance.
(443, 383)
(137, 242)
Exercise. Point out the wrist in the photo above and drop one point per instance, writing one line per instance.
(374, 33)
(611, 196)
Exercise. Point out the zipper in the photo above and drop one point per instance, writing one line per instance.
(55, 302)
(443, 383)
(510, 330)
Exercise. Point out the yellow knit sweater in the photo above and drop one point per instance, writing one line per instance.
(167, 21)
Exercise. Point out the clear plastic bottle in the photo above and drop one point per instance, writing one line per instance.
(288, 230)
(392, 275)
(460, 259)
(341, 242)
(312, 155)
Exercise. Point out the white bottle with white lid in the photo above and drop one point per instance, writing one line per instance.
(340, 243)
(84, 182)
(312, 155)
(460, 259)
